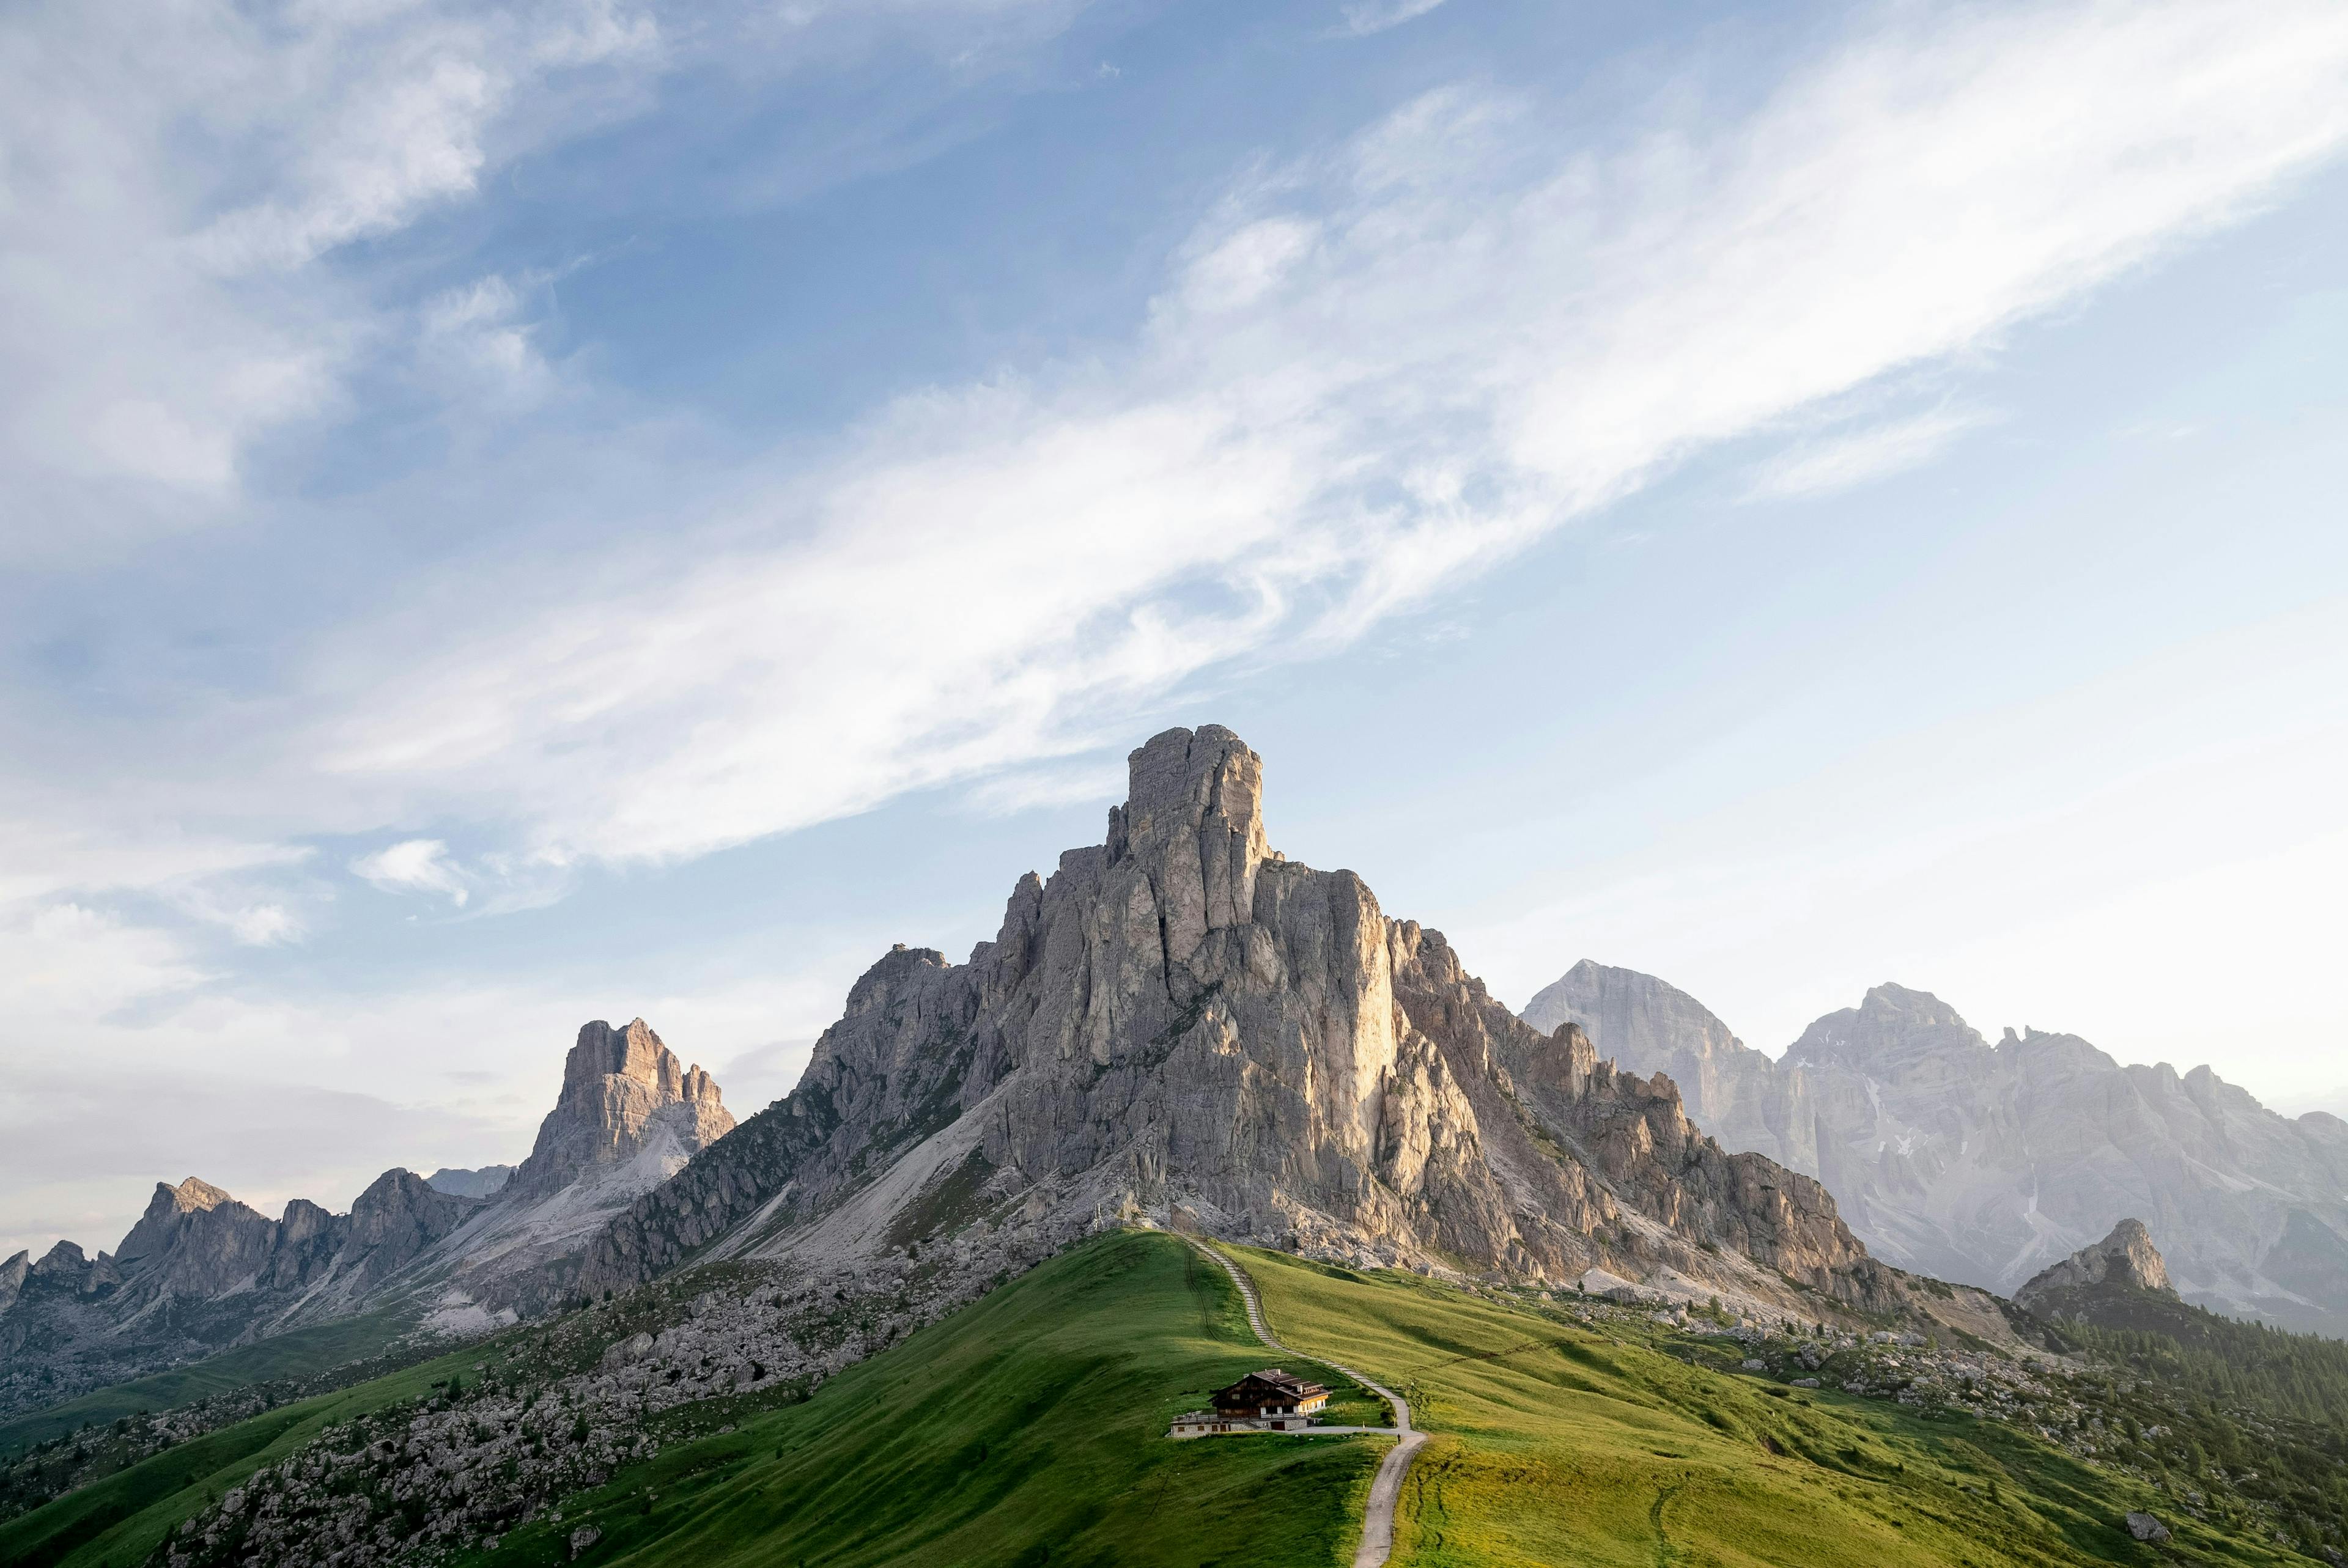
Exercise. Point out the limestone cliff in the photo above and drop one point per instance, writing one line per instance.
(1182, 1024)
(1649, 1026)
(2123, 1260)
(1983, 1162)
(624, 1094)
(628, 1116)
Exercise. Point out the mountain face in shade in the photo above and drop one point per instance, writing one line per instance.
(483, 1182)
(201, 1271)
(1649, 1026)
(1984, 1163)
(1183, 1025)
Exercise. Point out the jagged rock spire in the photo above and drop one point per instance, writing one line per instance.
(624, 1091)
(2123, 1260)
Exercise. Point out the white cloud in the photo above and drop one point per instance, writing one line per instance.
(180, 179)
(1100, 780)
(1367, 16)
(480, 337)
(1857, 458)
(1373, 373)
(414, 866)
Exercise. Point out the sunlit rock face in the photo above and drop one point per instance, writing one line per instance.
(624, 1094)
(1985, 1163)
(1180, 1023)
(630, 1114)
(2123, 1260)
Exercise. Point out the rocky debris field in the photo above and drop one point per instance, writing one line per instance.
(554, 1410)
(59, 1465)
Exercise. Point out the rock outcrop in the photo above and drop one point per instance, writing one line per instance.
(629, 1116)
(624, 1095)
(1983, 1163)
(1652, 1027)
(1181, 1024)
(2125, 1260)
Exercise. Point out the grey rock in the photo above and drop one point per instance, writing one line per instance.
(583, 1537)
(201, 1271)
(1182, 1020)
(2144, 1527)
(1984, 1163)
(624, 1092)
(483, 1182)
(2125, 1260)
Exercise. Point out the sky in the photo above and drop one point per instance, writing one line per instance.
(596, 509)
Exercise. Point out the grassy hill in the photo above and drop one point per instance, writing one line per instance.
(1562, 1443)
(301, 1353)
(121, 1519)
(1031, 1423)
(1027, 1431)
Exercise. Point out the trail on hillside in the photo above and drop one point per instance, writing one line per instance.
(1386, 1488)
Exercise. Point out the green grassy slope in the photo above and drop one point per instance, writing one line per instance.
(118, 1521)
(1027, 1429)
(302, 1353)
(1557, 1443)
(1032, 1421)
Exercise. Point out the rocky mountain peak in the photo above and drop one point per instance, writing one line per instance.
(1650, 1026)
(2125, 1260)
(625, 1097)
(1193, 822)
(1182, 1024)
(1892, 1034)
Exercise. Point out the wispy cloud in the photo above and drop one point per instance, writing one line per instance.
(1374, 373)
(1839, 461)
(182, 178)
(1367, 16)
(414, 866)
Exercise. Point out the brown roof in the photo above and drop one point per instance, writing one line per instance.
(1268, 1385)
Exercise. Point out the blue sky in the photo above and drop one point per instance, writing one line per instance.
(588, 509)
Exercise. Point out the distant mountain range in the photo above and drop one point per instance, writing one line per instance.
(201, 1271)
(1182, 1028)
(1984, 1163)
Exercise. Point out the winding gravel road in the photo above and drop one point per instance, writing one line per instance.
(1377, 1518)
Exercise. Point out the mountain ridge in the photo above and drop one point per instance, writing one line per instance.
(1182, 1027)
(202, 1271)
(1983, 1162)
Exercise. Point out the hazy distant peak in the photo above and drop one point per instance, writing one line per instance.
(1892, 1029)
(1617, 1007)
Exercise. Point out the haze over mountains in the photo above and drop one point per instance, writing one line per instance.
(201, 1271)
(1984, 1163)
